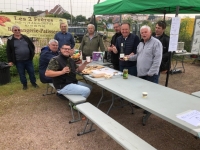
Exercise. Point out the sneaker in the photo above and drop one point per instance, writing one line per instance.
(35, 85)
(25, 87)
(73, 106)
(61, 96)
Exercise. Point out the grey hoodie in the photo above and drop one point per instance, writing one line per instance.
(148, 57)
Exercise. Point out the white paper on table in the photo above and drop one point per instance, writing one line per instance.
(192, 117)
(175, 25)
(107, 71)
(173, 43)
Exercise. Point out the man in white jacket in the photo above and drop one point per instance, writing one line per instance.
(149, 56)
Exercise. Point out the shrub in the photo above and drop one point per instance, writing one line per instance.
(3, 55)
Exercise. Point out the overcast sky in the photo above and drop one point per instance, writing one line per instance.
(79, 7)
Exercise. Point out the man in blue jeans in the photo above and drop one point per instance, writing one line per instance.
(62, 69)
(20, 51)
(149, 56)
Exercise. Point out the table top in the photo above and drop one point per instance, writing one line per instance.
(95, 80)
(98, 63)
(161, 101)
(183, 54)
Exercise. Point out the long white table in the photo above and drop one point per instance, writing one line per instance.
(161, 101)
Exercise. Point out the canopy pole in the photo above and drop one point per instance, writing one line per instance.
(170, 56)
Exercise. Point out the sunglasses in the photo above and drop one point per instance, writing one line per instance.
(17, 30)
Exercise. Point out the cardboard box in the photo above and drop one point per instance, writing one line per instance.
(97, 56)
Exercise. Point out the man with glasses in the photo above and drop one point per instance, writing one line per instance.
(20, 51)
(164, 39)
(115, 57)
(64, 37)
(62, 69)
(130, 42)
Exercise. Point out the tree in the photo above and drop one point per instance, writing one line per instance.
(31, 9)
(80, 18)
(184, 35)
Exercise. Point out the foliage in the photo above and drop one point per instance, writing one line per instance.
(184, 35)
(10, 13)
(31, 9)
(80, 18)
(3, 55)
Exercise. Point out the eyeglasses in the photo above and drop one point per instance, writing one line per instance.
(17, 30)
(67, 49)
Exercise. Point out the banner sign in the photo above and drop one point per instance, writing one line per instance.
(32, 26)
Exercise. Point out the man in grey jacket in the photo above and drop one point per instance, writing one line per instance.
(148, 57)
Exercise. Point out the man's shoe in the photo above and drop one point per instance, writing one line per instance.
(35, 85)
(25, 87)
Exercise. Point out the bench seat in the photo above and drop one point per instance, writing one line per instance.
(73, 101)
(116, 131)
(197, 94)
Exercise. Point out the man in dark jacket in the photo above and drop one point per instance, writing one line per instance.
(46, 54)
(62, 69)
(164, 39)
(115, 57)
(20, 51)
(130, 42)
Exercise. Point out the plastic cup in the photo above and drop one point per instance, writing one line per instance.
(88, 59)
(144, 94)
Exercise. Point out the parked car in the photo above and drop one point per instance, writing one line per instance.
(78, 32)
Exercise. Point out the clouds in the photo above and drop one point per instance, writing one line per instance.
(79, 7)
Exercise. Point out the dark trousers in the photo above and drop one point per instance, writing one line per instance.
(116, 66)
(153, 78)
(28, 66)
(132, 70)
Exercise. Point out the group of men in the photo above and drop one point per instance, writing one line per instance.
(146, 58)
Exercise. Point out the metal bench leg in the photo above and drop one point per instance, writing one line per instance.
(72, 112)
(85, 131)
(131, 105)
(113, 99)
(102, 94)
(49, 92)
(145, 118)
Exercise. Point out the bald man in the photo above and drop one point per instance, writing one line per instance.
(91, 42)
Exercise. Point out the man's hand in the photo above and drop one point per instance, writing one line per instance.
(66, 70)
(110, 49)
(114, 49)
(164, 72)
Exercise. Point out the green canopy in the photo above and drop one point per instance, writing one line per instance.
(147, 7)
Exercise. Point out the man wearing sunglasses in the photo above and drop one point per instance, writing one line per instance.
(20, 52)
(62, 69)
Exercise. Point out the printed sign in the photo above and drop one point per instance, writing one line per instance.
(32, 26)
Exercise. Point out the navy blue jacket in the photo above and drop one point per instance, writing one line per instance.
(130, 46)
(45, 56)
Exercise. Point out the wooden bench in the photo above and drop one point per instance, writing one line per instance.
(119, 133)
(197, 94)
(73, 101)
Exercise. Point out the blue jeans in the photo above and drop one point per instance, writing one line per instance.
(80, 88)
(28, 66)
(153, 78)
(131, 70)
